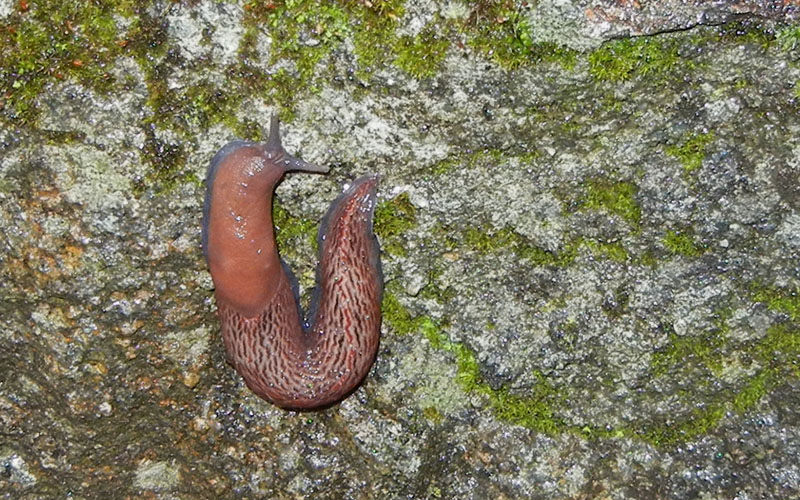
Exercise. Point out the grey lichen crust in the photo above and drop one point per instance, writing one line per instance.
(590, 242)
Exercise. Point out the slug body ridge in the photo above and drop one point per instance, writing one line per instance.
(292, 361)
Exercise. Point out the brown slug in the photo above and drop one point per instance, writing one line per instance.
(292, 361)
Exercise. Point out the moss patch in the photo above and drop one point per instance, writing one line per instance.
(691, 151)
(672, 432)
(534, 410)
(375, 37)
(397, 316)
(689, 352)
(650, 57)
(615, 197)
(777, 300)
(701, 358)
(421, 56)
(499, 30)
(291, 231)
(682, 243)
(611, 251)
(484, 239)
(481, 158)
(49, 41)
(393, 218)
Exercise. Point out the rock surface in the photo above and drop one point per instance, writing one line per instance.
(590, 221)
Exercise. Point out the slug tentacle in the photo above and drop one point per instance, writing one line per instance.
(294, 362)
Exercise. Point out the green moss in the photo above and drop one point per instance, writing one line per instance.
(755, 389)
(534, 410)
(421, 56)
(53, 41)
(528, 411)
(375, 37)
(433, 291)
(686, 352)
(648, 259)
(208, 104)
(303, 34)
(291, 25)
(616, 307)
(611, 251)
(393, 218)
(752, 31)
(692, 151)
(780, 349)
(483, 158)
(706, 350)
(788, 38)
(499, 30)
(433, 414)
(700, 422)
(778, 353)
(654, 57)
(292, 20)
(777, 357)
(616, 197)
(432, 332)
(397, 316)
(290, 230)
(484, 239)
(167, 162)
(777, 300)
(552, 52)
(296, 241)
(682, 243)
(469, 372)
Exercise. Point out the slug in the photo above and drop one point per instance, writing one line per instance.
(293, 361)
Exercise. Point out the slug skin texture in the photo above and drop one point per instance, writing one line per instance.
(294, 363)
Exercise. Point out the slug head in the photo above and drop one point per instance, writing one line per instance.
(276, 154)
(238, 236)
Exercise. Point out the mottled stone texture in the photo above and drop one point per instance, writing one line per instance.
(589, 215)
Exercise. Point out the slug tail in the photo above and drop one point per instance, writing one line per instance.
(366, 188)
(317, 366)
(345, 311)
